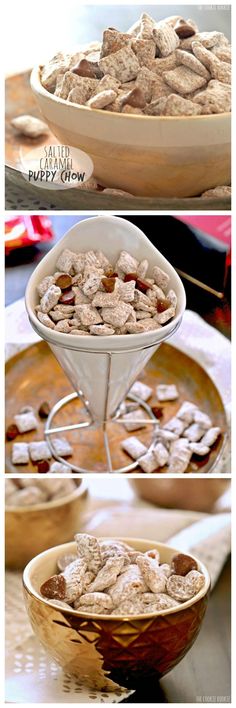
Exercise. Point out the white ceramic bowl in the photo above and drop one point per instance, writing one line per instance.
(145, 155)
(91, 361)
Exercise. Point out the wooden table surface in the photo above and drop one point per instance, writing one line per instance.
(203, 676)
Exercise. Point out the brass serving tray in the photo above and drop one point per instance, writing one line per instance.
(34, 375)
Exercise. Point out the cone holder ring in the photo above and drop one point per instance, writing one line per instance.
(88, 424)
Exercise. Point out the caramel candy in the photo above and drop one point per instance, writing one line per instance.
(67, 298)
(181, 564)
(88, 69)
(183, 29)
(64, 281)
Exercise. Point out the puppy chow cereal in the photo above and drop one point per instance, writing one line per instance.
(30, 492)
(26, 421)
(20, 453)
(189, 433)
(169, 57)
(89, 295)
(126, 582)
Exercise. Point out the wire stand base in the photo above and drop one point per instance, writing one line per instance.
(49, 430)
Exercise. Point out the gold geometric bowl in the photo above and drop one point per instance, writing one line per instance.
(107, 652)
(32, 529)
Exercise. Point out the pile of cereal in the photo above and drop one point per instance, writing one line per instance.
(190, 432)
(38, 451)
(165, 68)
(112, 578)
(88, 295)
(29, 492)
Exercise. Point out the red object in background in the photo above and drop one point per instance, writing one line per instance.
(218, 227)
(23, 231)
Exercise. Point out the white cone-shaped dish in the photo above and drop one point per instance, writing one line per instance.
(104, 368)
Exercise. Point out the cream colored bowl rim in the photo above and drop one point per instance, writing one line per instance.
(39, 88)
(71, 546)
(53, 504)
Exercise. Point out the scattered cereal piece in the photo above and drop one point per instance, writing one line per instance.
(194, 432)
(133, 447)
(148, 462)
(26, 422)
(187, 411)
(166, 436)
(203, 419)
(167, 392)
(217, 193)
(59, 468)
(29, 126)
(39, 451)
(180, 456)
(62, 447)
(198, 448)
(141, 390)
(132, 420)
(211, 436)
(20, 453)
(175, 425)
(161, 454)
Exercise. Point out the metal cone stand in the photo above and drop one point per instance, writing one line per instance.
(116, 418)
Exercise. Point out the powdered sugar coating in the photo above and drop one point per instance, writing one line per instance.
(127, 582)
(97, 292)
(157, 57)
